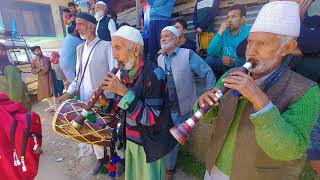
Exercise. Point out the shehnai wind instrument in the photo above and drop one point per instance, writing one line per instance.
(182, 131)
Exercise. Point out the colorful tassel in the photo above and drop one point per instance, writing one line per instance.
(112, 168)
(112, 174)
(104, 171)
(115, 159)
(92, 118)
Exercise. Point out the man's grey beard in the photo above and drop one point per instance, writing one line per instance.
(166, 46)
(129, 65)
(263, 66)
(83, 37)
(99, 15)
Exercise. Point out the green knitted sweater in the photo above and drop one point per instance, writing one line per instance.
(281, 136)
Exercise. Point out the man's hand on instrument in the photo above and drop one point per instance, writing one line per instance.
(112, 83)
(248, 88)
(64, 97)
(102, 100)
(209, 98)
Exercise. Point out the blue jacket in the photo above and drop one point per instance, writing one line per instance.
(161, 9)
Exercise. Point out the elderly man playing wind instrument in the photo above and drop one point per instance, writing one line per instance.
(143, 94)
(264, 123)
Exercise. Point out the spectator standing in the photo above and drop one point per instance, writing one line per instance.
(181, 66)
(68, 53)
(203, 15)
(160, 17)
(106, 25)
(203, 20)
(145, 25)
(42, 67)
(58, 75)
(66, 16)
(72, 7)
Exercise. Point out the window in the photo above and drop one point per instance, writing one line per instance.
(18, 56)
(32, 19)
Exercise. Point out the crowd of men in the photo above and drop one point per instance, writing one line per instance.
(262, 125)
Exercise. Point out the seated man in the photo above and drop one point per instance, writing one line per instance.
(181, 25)
(222, 49)
(264, 133)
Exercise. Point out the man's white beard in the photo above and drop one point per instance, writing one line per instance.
(166, 46)
(129, 65)
(99, 15)
(82, 37)
(263, 66)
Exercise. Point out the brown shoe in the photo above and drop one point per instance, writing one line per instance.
(170, 174)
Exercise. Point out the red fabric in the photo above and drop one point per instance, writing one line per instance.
(7, 168)
(55, 57)
(133, 133)
(112, 168)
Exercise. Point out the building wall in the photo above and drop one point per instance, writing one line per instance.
(58, 24)
(47, 37)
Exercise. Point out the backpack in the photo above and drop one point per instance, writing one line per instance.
(21, 140)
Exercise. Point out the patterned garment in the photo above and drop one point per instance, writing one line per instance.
(145, 99)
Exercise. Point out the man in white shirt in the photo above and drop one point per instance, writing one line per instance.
(106, 24)
(93, 62)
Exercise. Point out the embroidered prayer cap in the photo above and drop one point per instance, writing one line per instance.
(278, 17)
(172, 29)
(130, 33)
(87, 17)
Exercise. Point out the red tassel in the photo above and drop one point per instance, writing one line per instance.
(112, 168)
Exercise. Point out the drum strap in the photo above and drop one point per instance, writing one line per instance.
(82, 72)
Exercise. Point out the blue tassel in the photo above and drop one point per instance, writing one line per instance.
(115, 159)
(112, 174)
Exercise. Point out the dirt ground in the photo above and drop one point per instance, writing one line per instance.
(60, 159)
